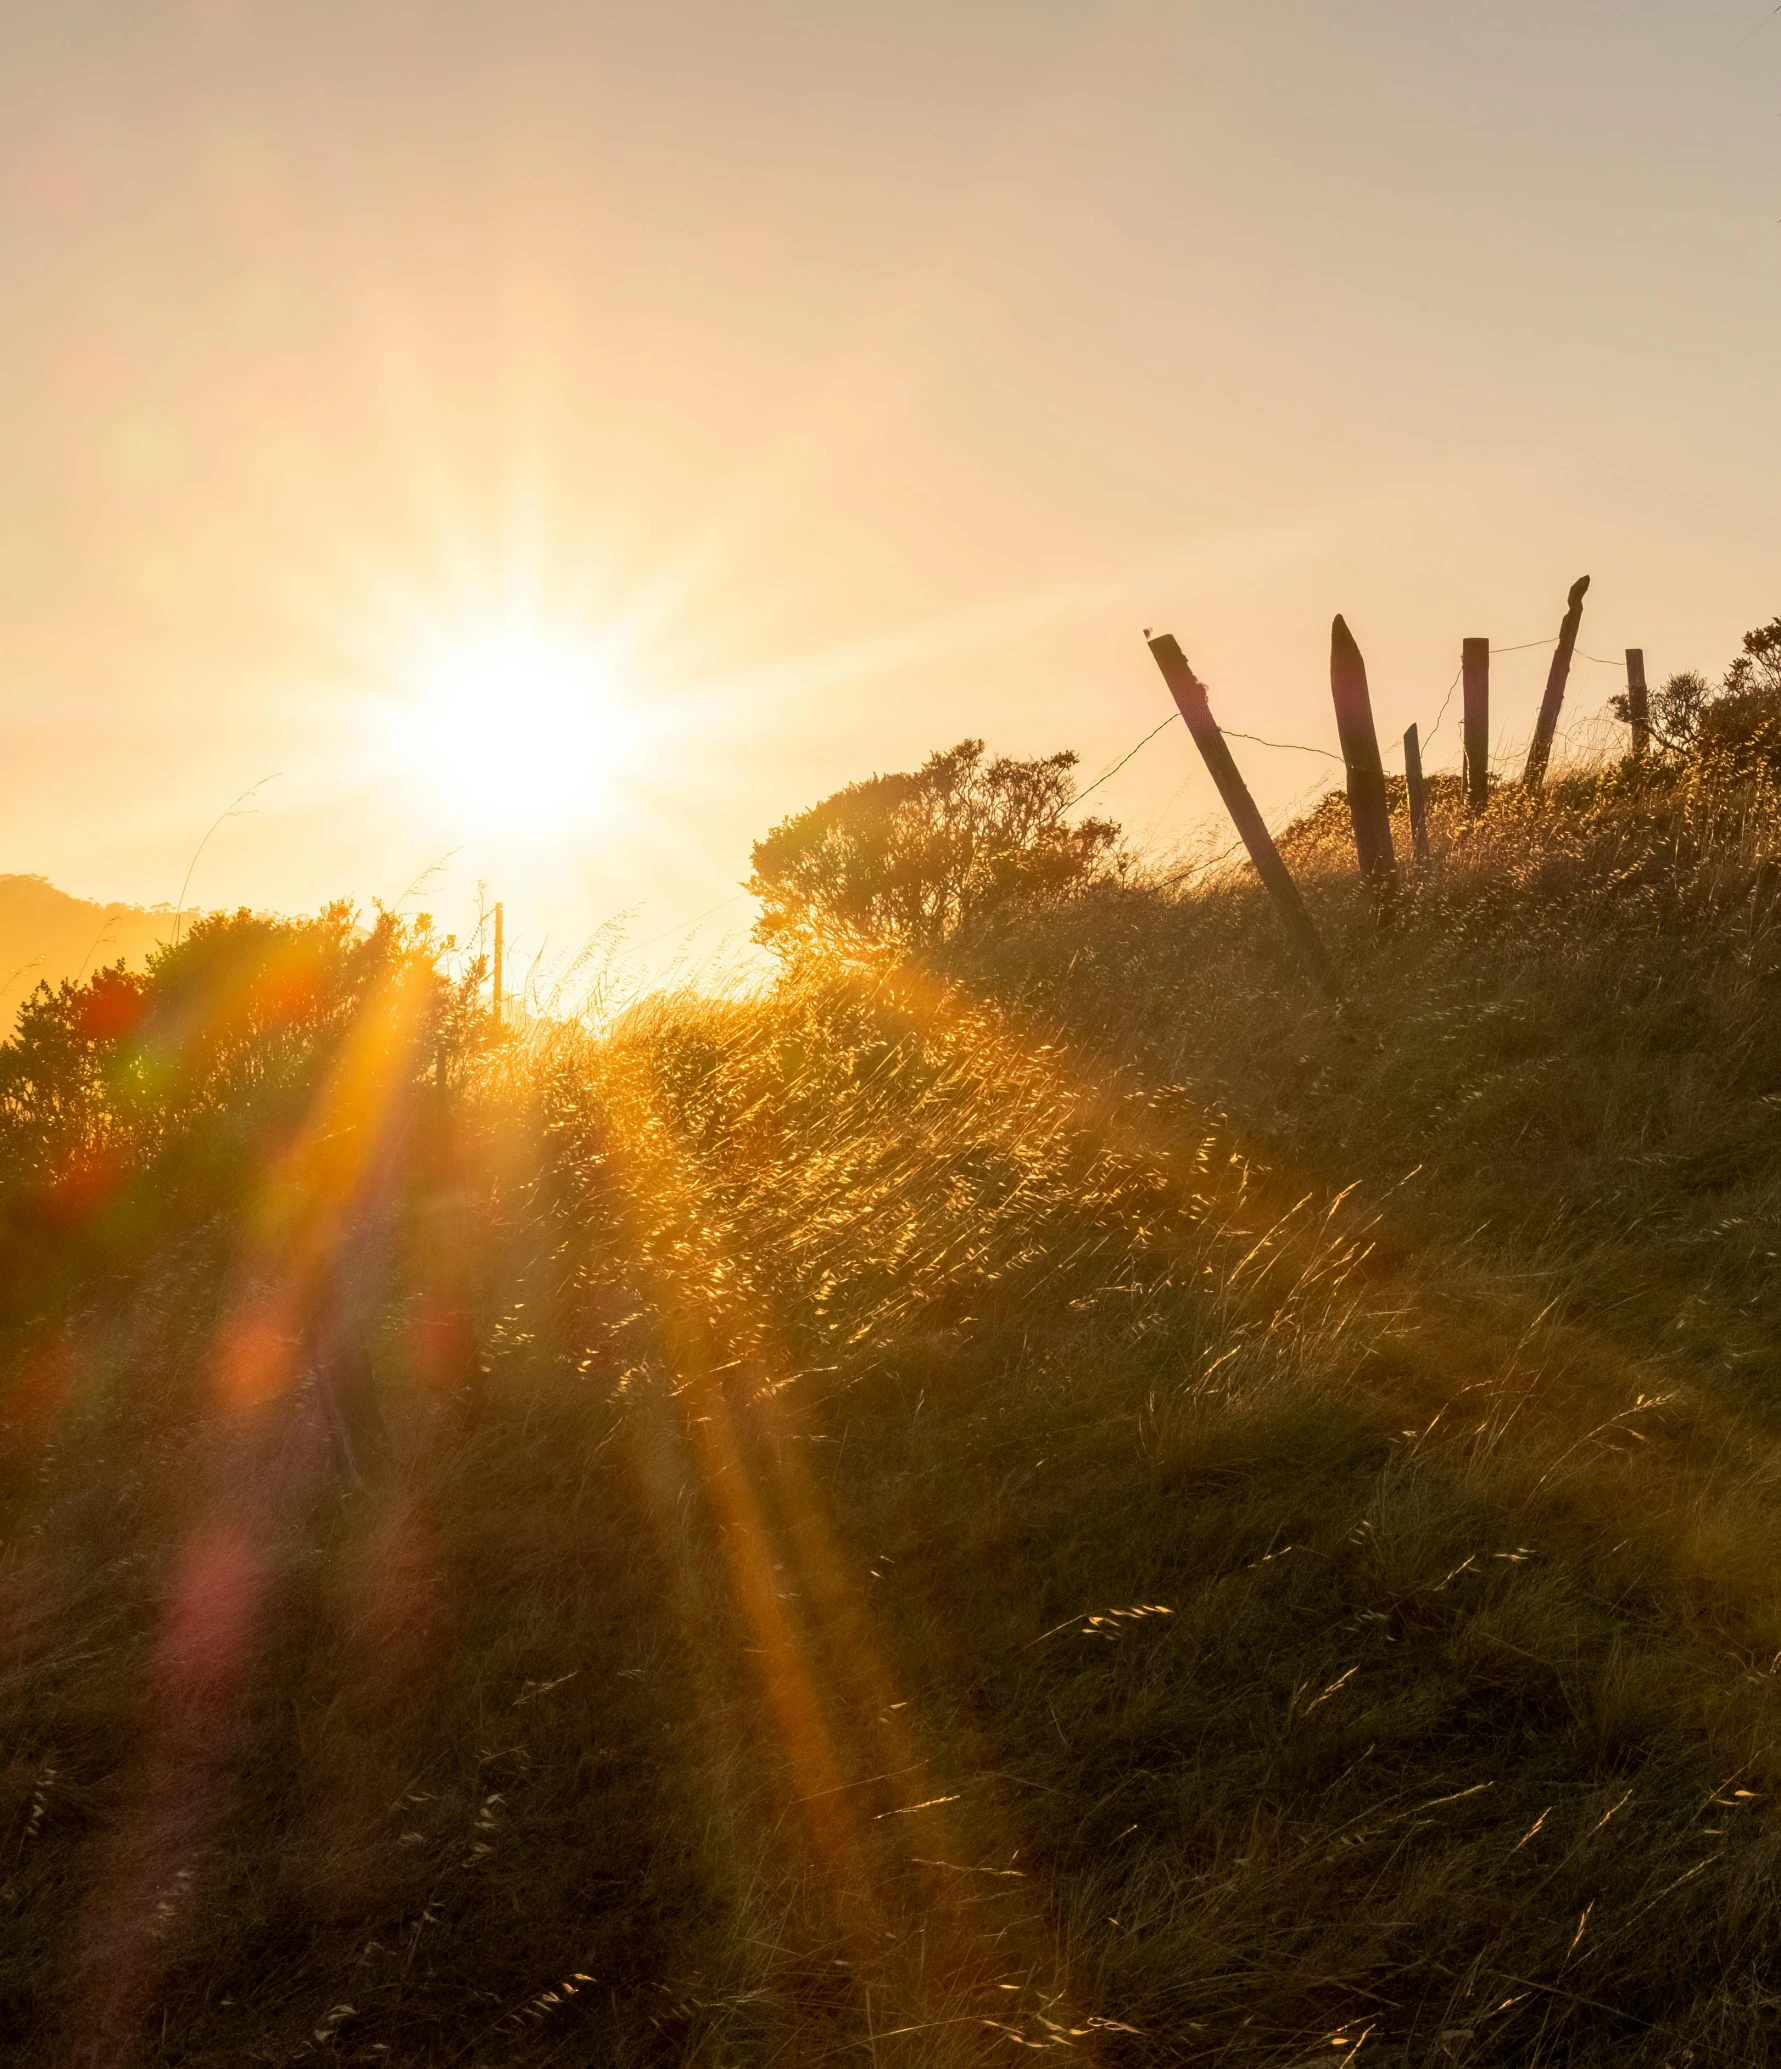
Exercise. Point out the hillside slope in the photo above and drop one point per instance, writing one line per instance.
(47, 935)
(1559, 1050)
(1088, 1499)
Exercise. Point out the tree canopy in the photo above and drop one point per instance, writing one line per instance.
(917, 858)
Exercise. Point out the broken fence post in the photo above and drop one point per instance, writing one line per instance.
(1475, 667)
(1638, 706)
(1540, 747)
(1190, 698)
(1419, 805)
(1360, 752)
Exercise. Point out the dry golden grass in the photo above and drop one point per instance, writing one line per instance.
(930, 1514)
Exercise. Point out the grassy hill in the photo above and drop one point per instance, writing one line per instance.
(1079, 1497)
(47, 935)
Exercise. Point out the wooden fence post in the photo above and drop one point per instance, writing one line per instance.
(1360, 752)
(1475, 667)
(500, 957)
(1419, 810)
(1190, 698)
(1540, 747)
(1638, 707)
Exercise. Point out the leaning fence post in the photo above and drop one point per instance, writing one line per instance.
(1360, 752)
(1638, 707)
(1419, 811)
(1540, 747)
(1475, 667)
(1190, 697)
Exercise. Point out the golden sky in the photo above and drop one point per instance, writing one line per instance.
(811, 384)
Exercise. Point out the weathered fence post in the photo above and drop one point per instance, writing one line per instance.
(1475, 667)
(1540, 747)
(1419, 811)
(1638, 707)
(500, 958)
(1190, 698)
(1360, 752)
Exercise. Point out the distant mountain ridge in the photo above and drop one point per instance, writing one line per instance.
(47, 935)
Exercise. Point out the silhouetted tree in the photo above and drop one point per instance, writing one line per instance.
(1678, 706)
(1757, 670)
(1688, 710)
(917, 858)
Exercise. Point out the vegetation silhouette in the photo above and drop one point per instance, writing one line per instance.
(143, 1101)
(1688, 707)
(914, 860)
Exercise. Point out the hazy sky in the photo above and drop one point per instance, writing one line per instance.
(849, 379)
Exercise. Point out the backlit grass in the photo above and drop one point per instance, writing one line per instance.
(1079, 1501)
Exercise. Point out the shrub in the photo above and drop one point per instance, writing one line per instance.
(919, 858)
(137, 1104)
(1737, 714)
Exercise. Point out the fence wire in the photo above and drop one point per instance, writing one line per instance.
(1302, 747)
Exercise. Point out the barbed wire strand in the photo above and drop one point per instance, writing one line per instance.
(1442, 713)
(1107, 774)
(681, 926)
(1200, 867)
(1287, 746)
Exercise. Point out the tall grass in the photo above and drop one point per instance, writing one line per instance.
(935, 1511)
(1561, 1046)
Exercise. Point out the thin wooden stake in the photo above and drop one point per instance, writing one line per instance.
(1190, 697)
(1475, 666)
(1360, 752)
(500, 958)
(1540, 747)
(1638, 707)
(1419, 807)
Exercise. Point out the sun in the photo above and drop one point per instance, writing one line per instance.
(519, 729)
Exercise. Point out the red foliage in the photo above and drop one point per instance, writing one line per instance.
(112, 1006)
